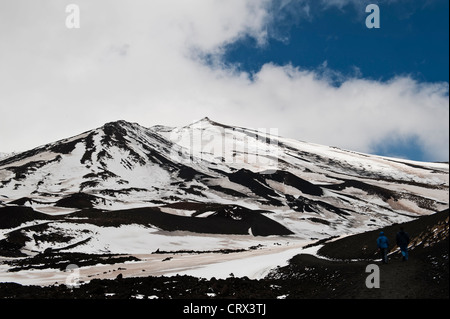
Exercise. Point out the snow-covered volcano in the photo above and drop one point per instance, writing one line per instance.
(208, 177)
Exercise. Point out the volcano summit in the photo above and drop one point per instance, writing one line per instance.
(126, 189)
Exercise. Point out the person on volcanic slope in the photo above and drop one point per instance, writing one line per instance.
(383, 245)
(402, 239)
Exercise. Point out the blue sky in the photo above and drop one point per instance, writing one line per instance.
(412, 41)
(309, 68)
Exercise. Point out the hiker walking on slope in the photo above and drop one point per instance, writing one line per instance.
(402, 239)
(383, 245)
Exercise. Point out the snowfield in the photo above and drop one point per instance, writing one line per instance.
(138, 241)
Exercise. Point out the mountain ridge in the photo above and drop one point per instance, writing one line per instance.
(303, 190)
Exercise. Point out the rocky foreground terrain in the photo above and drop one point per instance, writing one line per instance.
(341, 275)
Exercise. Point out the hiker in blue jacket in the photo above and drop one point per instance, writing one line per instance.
(383, 245)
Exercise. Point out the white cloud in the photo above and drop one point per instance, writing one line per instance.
(140, 61)
(356, 115)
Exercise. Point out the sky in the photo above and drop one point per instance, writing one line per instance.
(312, 69)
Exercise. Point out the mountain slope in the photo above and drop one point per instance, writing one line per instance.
(423, 276)
(208, 177)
